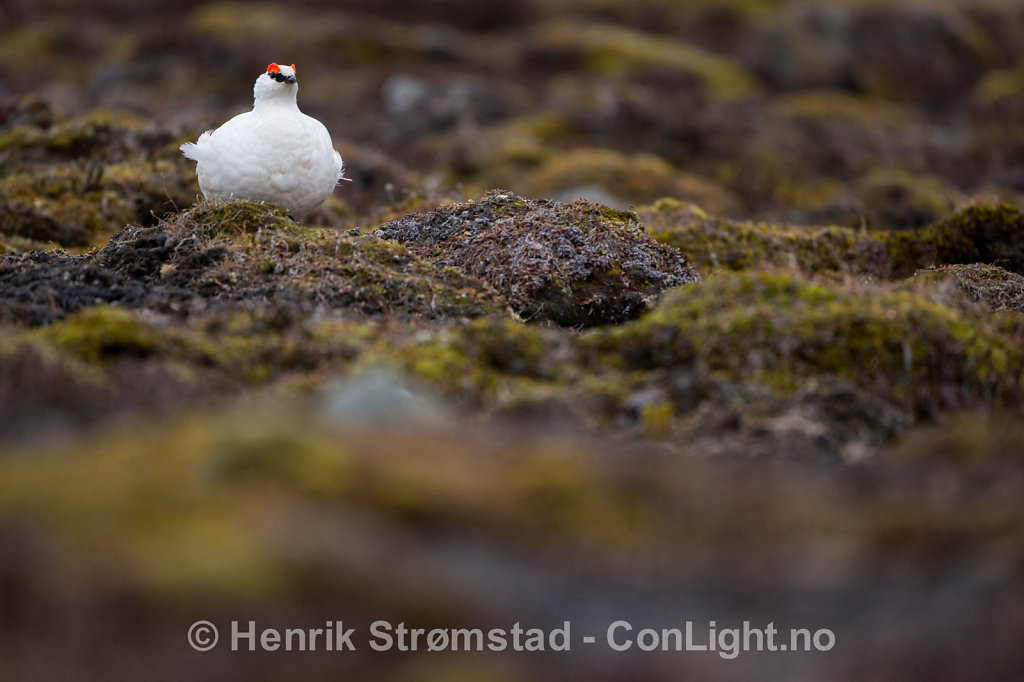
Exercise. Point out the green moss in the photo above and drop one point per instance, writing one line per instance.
(983, 233)
(997, 104)
(486, 362)
(20, 136)
(236, 218)
(107, 136)
(807, 148)
(92, 132)
(223, 351)
(620, 52)
(74, 182)
(82, 204)
(359, 39)
(906, 347)
(978, 234)
(64, 205)
(711, 243)
(997, 87)
(862, 112)
(632, 178)
(895, 199)
(101, 333)
(35, 47)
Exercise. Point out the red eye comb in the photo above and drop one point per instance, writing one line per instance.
(293, 68)
(273, 68)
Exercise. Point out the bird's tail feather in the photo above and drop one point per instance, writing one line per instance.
(194, 150)
(339, 168)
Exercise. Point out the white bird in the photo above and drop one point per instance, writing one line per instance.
(274, 153)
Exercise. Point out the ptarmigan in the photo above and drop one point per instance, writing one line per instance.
(274, 153)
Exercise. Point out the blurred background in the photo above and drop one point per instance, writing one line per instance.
(854, 112)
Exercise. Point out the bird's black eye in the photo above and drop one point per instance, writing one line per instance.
(281, 78)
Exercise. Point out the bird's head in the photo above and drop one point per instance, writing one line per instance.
(282, 74)
(278, 82)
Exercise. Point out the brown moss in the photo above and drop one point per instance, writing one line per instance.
(995, 287)
(576, 264)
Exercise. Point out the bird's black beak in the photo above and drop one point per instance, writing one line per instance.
(281, 78)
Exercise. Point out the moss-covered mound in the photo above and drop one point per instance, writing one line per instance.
(107, 360)
(623, 178)
(780, 329)
(902, 51)
(997, 288)
(621, 53)
(712, 243)
(239, 255)
(75, 182)
(992, 234)
(983, 233)
(576, 264)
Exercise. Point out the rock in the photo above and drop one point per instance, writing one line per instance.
(380, 396)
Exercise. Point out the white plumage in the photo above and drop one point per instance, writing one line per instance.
(274, 153)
